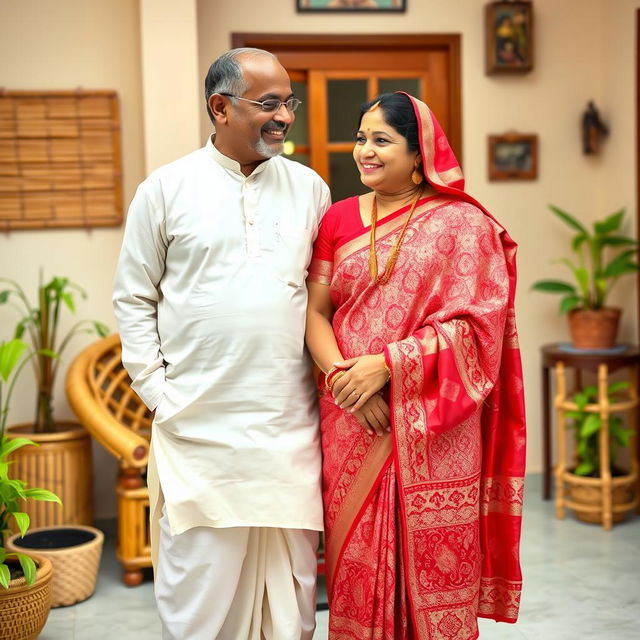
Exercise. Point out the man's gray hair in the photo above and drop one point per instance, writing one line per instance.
(225, 74)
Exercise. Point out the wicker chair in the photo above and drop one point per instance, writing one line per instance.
(99, 392)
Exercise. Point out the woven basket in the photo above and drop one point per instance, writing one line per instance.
(24, 608)
(75, 568)
(587, 492)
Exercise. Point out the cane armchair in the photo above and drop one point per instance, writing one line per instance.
(100, 394)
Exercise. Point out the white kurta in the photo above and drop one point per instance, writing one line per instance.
(210, 302)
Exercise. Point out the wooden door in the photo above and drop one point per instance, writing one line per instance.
(334, 75)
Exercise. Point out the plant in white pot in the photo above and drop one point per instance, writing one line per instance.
(25, 593)
(601, 256)
(62, 463)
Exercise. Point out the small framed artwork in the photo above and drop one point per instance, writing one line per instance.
(351, 5)
(513, 156)
(509, 39)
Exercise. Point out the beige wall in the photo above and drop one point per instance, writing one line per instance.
(169, 80)
(62, 45)
(584, 50)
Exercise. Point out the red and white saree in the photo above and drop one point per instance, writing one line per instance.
(423, 525)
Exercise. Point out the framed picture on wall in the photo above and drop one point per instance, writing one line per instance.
(509, 37)
(513, 156)
(351, 5)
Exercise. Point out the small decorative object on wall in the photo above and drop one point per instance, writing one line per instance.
(513, 156)
(509, 40)
(351, 5)
(593, 130)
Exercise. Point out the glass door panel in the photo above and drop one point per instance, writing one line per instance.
(409, 85)
(299, 132)
(344, 97)
(302, 158)
(344, 177)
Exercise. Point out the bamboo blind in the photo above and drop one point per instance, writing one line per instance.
(60, 160)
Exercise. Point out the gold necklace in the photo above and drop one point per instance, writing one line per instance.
(395, 250)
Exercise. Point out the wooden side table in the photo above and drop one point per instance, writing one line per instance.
(579, 360)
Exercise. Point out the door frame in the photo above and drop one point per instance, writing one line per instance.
(286, 45)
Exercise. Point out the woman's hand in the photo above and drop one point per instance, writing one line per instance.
(364, 376)
(374, 415)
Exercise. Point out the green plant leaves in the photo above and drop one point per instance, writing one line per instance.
(616, 387)
(621, 264)
(569, 219)
(609, 224)
(553, 286)
(41, 325)
(10, 354)
(42, 494)
(617, 241)
(22, 520)
(584, 469)
(569, 303)
(587, 425)
(5, 576)
(578, 241)
(594, 281)
(101, 329)
(28, 567)
(582, 276)
(67, 298)
(11, 444)
(591, 425)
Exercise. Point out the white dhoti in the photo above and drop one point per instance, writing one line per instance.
(238, 583)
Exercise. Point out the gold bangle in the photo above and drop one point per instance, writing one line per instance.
(329, 375)
(335, 379)
(386, 366)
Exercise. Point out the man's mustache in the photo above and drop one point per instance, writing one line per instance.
(274, 125)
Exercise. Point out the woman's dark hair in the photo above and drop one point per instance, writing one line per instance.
(398, 113)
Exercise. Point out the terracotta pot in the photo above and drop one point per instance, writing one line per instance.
(24, 608)
(594, 328)
(62, 464)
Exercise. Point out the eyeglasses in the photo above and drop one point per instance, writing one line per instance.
(270, 105)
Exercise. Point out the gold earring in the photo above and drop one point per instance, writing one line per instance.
(417, 177)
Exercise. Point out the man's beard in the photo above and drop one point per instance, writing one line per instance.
(270, 150)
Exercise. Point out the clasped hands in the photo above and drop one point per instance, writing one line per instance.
(356, 390)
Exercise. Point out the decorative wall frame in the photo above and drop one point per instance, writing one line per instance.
(509, 37)
(372, 6)
(513, 156)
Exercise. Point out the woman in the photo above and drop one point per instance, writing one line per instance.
(410, 318)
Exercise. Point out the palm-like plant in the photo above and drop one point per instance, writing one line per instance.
(40, 323)
(595, 276)
(14, 355)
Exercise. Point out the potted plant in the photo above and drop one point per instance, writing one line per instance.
(585, 485)
(62, 462)
(592, 324)
(25, 593)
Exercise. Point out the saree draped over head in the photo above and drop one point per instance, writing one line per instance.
(423, 525)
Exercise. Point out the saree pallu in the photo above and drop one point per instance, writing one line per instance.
(423, 525)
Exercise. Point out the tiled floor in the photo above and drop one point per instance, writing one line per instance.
(579, 582)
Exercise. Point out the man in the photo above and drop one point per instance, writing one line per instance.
(210, 299)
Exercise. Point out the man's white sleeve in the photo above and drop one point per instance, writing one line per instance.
(136, 292)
